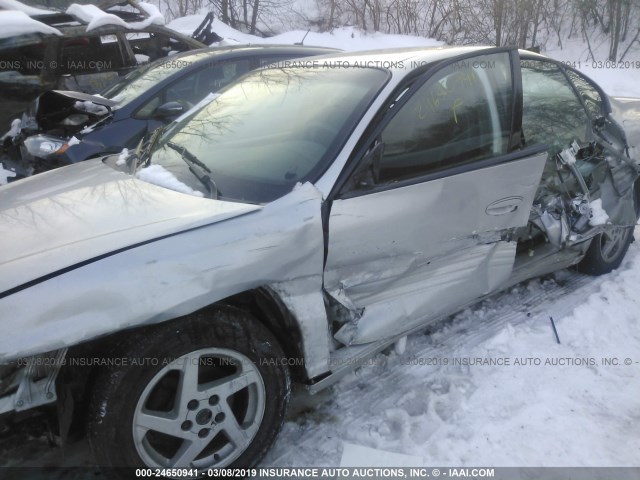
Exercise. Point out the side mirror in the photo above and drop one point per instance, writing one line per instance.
(169, 109)
(368, 173)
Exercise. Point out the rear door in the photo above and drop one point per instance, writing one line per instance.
(421, 221)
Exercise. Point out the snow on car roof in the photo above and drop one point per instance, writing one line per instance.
(21, 7)
(15, 22)
(145, 16)
(95, 17)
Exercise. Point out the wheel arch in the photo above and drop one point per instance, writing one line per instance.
(636, 197)
(264, 304)
(269, 309)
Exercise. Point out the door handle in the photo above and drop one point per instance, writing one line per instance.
(502, 210)
(504, 206)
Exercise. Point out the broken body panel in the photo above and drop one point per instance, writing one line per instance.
(156, 276)
(416, 263)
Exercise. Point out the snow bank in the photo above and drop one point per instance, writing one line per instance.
(617, 79)
(353, 39)
(188, 24)
(94, 17)
(14, 22)
(346, 38)
(541, 404)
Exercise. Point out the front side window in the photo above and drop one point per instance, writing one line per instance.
(551, 112)
(144, 78)
(268, 131)
(192, 88)
(215, 76)
(462, 114)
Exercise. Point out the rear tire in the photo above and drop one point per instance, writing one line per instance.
(209, 391)
(606, 252)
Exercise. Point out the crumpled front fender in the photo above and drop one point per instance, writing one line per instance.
(280, 245)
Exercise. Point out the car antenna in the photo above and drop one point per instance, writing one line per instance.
(301, 42)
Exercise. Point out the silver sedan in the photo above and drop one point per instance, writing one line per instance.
(289, 228)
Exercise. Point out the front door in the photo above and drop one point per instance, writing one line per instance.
(425, 229)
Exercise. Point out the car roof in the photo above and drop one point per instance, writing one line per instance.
(394, 58)
(246, 49)
(204, 55)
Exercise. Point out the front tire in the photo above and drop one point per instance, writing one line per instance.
(208, 391)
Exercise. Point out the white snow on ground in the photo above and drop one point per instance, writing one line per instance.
(188, 24)
(346, 38)
(617, 79)
(95, 17)
(14, 22)
(568, 410)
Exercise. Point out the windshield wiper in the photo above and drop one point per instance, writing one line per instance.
(194, 163)
(143, 153)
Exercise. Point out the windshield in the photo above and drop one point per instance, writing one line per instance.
(142, 79)
(269, 131)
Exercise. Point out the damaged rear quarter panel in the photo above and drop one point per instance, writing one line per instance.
(626, 111)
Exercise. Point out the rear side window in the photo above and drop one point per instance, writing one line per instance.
(91, 54)
(462, 114)
(27, 60)
(589, 94)
(551, 111)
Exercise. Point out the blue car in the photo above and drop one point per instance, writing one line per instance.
(66, 127)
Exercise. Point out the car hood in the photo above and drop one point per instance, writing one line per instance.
(60, 219)
(50, 110)
(80, 96)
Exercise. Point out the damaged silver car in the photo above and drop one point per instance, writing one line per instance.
(308, 217)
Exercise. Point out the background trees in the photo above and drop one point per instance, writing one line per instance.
(525, 23)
